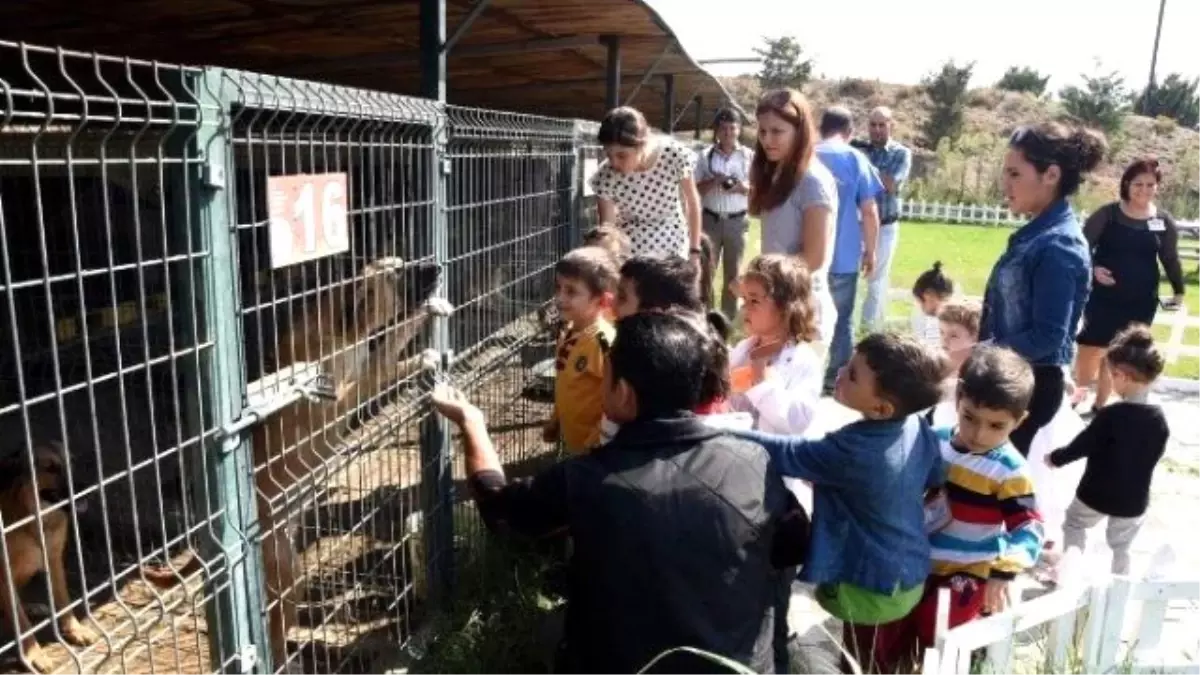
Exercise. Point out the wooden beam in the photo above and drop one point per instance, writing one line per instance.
(650, 72)
(669, 102)
(433, 60)
(465, 25)
(612, 73)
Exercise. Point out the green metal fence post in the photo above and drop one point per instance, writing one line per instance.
(237, 626)
(437, 478)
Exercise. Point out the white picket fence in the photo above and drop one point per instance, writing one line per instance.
(1084, 629)
(978, 214)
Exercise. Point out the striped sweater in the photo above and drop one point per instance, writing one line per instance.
(995, 529)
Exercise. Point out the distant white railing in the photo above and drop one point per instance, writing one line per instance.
(1087, 623)
(980, 214)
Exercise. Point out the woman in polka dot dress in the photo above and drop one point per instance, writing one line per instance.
(645, 187)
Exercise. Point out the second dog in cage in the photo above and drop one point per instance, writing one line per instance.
(23, 489)
(356, 348)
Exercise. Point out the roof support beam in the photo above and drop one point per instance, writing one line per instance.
(699, 117)
(650, 72)
(432, 33)
(612, 72)
(461, 29)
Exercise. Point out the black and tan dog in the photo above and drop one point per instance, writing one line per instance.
(358, 342)
(20, 490)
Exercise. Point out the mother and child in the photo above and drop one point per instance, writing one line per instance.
(684, 532)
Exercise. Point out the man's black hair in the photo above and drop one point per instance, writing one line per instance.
(836, 120)
(664, 359)
(907, 373)
(663, 283)
(996, 378)
(725, 116)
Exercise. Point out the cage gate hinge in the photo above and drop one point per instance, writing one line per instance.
(265, 397)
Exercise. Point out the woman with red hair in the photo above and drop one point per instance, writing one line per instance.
(1128, 238)
(794, 194)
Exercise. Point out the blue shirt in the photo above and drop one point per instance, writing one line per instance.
(869, 479)
(857, 182)
(895, 160)
(1038, 288)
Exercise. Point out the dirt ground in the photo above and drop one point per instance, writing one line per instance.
(359, 533)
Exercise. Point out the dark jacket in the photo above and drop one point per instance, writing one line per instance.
(673, 525)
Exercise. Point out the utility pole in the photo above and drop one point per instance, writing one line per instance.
(1162, 6)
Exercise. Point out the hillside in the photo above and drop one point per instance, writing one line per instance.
(970, 171)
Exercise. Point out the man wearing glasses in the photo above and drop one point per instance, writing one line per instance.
(893, 161)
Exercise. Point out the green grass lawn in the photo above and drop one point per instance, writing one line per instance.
(967, 253)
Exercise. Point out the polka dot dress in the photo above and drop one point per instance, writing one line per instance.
(649, 203)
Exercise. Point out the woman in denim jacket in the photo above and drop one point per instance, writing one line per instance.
(1039, 285)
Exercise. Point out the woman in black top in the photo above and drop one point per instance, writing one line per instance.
(1128, 240)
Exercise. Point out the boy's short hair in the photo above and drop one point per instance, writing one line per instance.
(1133, 350)
(664, 358)
(610, 238)
(592, 265)
(996, 378)
(663, 283)
(907, 373)
(962, 313)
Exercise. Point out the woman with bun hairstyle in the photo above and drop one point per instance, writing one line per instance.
(1129, 238)
(1038, 287)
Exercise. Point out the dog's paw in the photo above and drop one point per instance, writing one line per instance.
(78, 634)
(38, 660)
(439, 307)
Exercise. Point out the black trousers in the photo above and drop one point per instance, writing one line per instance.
(1047, 399)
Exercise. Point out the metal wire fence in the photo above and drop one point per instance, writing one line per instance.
(225, 299)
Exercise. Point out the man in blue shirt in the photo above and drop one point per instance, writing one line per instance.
(858, 185)
(893, 162)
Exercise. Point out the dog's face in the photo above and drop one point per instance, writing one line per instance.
(388, 291)
(49, 482)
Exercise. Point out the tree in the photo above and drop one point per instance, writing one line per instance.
(1102, 101)
(1024, 79)
(947, 91)
(783, 64)
(1176, 98)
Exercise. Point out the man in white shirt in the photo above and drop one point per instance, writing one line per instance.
(723, 178)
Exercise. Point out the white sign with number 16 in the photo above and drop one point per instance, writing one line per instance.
(307, 217)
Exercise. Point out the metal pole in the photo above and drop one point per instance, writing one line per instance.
(669, 102)
(437, 484)
(612, 72)
(699, 116)
(225, 479)
(1162, 7)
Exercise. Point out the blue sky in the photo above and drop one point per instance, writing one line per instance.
(899, 41)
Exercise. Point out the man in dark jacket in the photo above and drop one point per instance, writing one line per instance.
(678, 529)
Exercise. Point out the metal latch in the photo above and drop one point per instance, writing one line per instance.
(269, 395)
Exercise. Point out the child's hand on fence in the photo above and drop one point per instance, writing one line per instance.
(995, 596)
(453, 405)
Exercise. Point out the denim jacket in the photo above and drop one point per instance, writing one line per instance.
(1038, 287)
(868, 520)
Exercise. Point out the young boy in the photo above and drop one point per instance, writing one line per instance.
(958, 326)
(991, 530)
(1123, 444)
(585, 280)
(869, 552)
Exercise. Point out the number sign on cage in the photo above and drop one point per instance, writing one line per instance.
(307, 214)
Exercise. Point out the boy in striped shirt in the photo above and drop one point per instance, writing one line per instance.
(994, 531)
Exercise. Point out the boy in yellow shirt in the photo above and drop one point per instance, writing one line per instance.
(585, 282)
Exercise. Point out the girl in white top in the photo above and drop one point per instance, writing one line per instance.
(646, 188)
(931, 291)
(776, 373)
